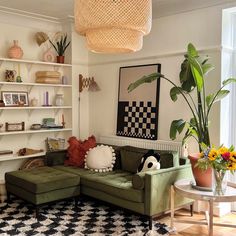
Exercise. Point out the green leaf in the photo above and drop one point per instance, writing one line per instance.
(206, 68)
(144, 79)
(176, 126)
(197, 72)
(229, 81)
(209, 99)
(174, 92)
(186, 77)
(192, 50)
(223, 93)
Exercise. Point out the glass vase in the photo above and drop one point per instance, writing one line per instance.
(219, 182)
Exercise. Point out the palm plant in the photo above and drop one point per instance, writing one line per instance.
(194, 70)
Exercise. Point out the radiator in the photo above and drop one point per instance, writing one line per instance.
(141, 143)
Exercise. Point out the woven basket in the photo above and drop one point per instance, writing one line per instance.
(113, 25)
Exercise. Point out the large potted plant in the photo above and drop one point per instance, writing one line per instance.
(60, 46)
(194, 70)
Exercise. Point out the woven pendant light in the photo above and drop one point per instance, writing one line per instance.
(113, 26)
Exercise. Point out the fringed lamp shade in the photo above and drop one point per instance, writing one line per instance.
(113, 26)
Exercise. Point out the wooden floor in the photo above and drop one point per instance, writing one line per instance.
(201, 230)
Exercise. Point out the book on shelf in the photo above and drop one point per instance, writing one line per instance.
(5, 152)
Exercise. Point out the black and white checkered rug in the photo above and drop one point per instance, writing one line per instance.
(91, 217)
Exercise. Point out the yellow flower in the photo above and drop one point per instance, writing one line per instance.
(213, 154)
(233, 156)
(201, 155)
(222, 150)
(231, 166)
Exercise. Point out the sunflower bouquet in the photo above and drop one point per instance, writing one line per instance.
(220, 160)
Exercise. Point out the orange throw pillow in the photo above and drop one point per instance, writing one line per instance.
(77, 150)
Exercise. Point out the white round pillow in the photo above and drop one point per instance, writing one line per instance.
(100, 158)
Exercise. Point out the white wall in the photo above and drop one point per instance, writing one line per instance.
(166, 45)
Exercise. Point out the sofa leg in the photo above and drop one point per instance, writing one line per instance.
(76, 201)
(191, 209)
(150, 222)
(8, 197)
(37, 212)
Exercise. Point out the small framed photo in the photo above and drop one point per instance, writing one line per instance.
(12, 99)
(15, 126)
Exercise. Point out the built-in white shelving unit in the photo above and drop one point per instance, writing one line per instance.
(15, 157)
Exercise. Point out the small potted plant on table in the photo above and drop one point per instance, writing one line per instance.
(60, 46)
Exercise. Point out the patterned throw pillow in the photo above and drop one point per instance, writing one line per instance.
(100, 159)
(77, 150)
(149, 161)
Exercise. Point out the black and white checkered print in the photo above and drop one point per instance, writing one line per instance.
(91, 217)
(139, 120)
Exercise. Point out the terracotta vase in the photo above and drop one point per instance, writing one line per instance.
(202, 178)
(15, 51)
(60, 59)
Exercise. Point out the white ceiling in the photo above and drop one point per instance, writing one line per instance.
(63, 8)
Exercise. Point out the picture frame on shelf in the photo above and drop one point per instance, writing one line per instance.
(15, 98)
(54, 144)
(15, 126)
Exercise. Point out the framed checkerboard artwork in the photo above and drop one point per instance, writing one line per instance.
(138, 110)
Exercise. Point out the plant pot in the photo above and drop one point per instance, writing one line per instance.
(60, 59)
(202, 178)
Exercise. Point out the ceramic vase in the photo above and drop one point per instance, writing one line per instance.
(202, 178)
(15, 51)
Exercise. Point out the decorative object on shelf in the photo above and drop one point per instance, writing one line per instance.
(221, 160)
(60, 45)
(48, 56)
(49, 123)
(18, 77)
(15, 51)
(63, 121)
(64, 79)
(48, 77)
(54, 144)
(41, 38)
(1, 125)
(10, 75)
(2, 104)
(31, 164)
(138, 112)
(113, 26)
(13, 98)
(5, 152)
(88, 83)
(34, 102)
(194, 70)
(35, 126)
(59, 99)
(46, 99)
(28, 151)
(15, 126)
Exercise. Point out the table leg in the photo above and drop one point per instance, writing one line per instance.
(172, 206)
(211, 218)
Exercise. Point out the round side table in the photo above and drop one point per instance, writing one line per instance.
(184, 188)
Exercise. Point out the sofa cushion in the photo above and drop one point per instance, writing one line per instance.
(42, 179)
(117, 183)
(101, 158)
(131, 158)
(55, 158)
(77, 150)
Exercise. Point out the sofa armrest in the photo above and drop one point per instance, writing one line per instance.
(157, 188)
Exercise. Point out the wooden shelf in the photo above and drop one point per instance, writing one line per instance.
(35, 131)
(36, 84)
(35, 108)
(35, 62)
(15, 157)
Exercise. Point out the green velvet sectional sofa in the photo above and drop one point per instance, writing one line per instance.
(144, 193)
